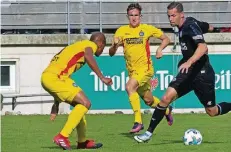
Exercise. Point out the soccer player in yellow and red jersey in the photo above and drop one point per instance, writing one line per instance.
(56, 80)
(135, 40)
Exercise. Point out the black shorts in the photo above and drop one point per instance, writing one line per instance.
(201, 81)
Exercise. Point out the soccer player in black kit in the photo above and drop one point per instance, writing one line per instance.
(195, 70)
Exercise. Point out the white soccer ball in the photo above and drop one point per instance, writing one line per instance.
(192, 137)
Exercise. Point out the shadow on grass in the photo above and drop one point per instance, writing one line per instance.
(57, 147)
(128, 135)
(166, 142)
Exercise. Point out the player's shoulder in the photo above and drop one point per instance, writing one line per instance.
(85, 42)
(148, 26)
(123, 28)
(190, 21)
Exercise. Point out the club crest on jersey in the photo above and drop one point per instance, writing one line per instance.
(141, 33)
(154, 83)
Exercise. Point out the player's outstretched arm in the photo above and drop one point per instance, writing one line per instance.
(164, 43)
(115, 44)
(88, 55)
(206, 27)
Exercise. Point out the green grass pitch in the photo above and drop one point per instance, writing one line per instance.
(35, 133)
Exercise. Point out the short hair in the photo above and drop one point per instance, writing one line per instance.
(177, 5)
(134, 6)
(98, 36)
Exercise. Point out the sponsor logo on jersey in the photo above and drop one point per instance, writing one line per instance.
(198, 37)
(134, 41)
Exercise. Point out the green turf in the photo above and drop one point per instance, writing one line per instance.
(35, 133)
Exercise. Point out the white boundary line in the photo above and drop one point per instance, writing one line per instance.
(129, 111)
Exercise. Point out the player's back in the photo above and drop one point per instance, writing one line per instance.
(69, 59)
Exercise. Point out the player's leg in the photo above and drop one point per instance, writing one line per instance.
(219, 109)
(211, 108)
(152, 101)
(81, 105)
(158, 115)
(204, 88)
(178, 87)
(52, 84)
(81, 130)
(137, 79)
(131, 88)
(82, 142)
(65, 90)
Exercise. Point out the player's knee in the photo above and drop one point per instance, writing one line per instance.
(87, 104)
(148, 102)
(129, 88)
(166, 100)
(211, 112)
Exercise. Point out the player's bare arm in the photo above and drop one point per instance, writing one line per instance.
(88, 55)
(165, 41)
(115, 44)
(200, 51)
(54, 110)
(211, 28)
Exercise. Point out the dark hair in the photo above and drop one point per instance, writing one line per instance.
(98, 36)
(177, 5)
(134, 6)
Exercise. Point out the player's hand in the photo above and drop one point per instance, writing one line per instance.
(107, 81)
(184, 67)
(53, 116)
(54, 110)
(116, 41)
(159, 53)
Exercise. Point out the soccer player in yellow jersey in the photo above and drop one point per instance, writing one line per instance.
(56, 80)
(134, 39)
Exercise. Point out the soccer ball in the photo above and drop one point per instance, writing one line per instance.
(192, 137)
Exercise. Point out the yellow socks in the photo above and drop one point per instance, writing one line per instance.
(135, 103)
(73, 119)
(155, 103)
(81, 130)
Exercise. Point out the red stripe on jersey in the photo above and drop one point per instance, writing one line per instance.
(72, 62)
(148, 53)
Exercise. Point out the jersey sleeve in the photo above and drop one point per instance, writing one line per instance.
(155, 32)
(196, 33)
(204, 26)
(91, 45)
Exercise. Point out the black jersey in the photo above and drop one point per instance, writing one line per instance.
(190, 35)
(200, 76)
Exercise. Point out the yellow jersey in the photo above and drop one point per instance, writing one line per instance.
(136, 45)
(70, 59)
